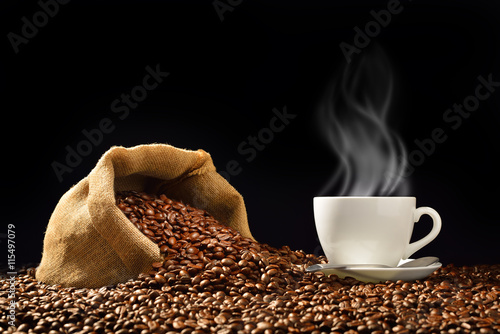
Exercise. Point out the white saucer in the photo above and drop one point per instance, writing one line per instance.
(375, 275)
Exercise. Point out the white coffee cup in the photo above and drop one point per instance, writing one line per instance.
(374, 230)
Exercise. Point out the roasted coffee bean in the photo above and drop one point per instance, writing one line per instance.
(192, 250)
(211, 283)
(300, 303)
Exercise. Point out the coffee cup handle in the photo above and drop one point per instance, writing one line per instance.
(436, 219)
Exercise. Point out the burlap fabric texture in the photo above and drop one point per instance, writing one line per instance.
(90, 243)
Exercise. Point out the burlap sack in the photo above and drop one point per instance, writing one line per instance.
(90, 243)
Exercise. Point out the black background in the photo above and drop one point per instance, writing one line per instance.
(225, 79)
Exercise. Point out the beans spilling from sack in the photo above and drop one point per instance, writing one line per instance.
(212, 280)
(200, 249)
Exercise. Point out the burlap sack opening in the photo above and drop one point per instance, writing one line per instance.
(90, 243)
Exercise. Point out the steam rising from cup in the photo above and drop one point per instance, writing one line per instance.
(353, 118)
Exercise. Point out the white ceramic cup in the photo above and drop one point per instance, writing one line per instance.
(374, 230)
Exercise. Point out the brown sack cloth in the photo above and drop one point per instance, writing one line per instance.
(90, 243)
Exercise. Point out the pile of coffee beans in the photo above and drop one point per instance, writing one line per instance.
(213, 280)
